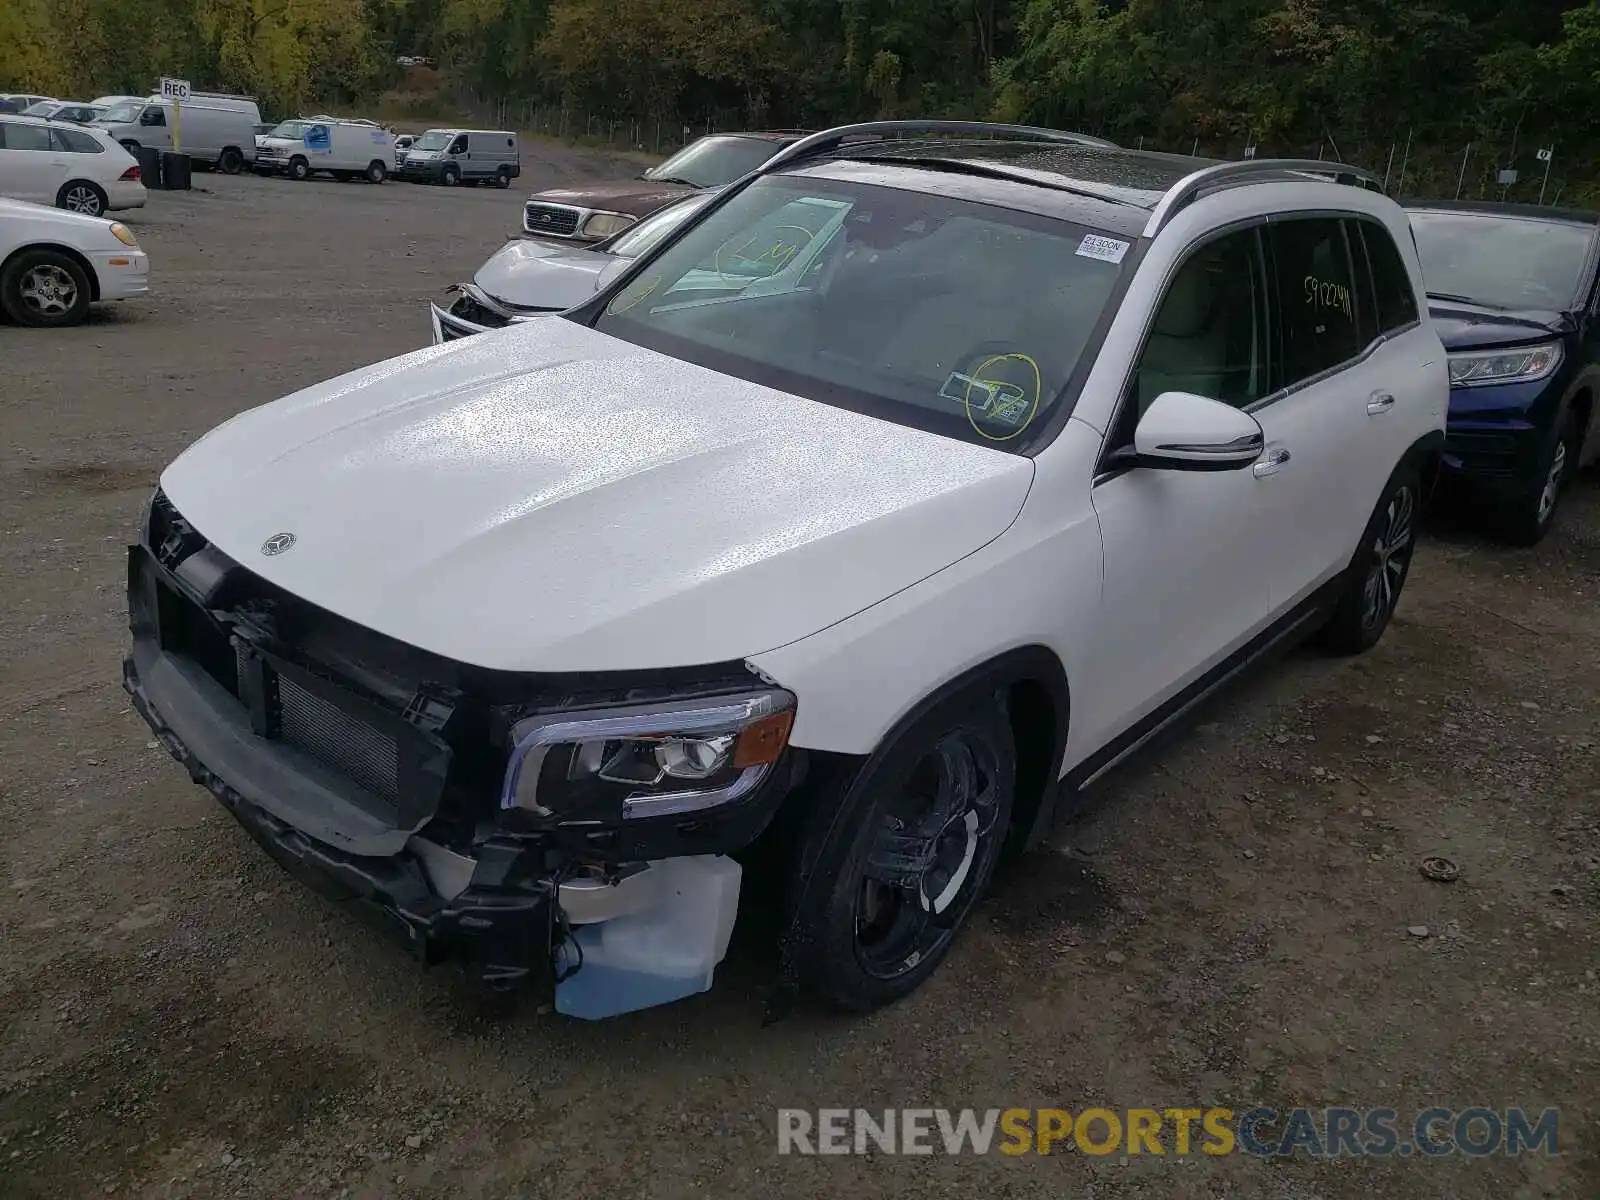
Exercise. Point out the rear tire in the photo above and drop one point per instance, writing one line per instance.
(82, 196)
(376, 172)
(230, 161)
(893, 858)
(503, 177)
(45, 289)
(1371, 584)
(1532, 513)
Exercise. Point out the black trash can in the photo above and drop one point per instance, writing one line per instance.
(175, 171)
(149, 166)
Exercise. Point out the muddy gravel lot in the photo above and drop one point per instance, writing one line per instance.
(1238, 920)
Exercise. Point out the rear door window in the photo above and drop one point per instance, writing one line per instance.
(1317, 297)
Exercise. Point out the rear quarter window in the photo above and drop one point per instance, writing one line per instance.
(73, 142)
(1395, 300)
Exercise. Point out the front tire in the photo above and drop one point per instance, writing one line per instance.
(45, 289)
(450, 176)
(299, 169)
(82, 196)
(892, 860)
(1532, 513)
(1370, 587)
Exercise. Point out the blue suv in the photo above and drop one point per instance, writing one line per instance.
(1512, 291)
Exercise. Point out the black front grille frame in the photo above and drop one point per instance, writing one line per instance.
(398, 768)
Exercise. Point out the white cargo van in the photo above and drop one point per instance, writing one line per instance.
(344, 149)
(214, 129)
(452, 156)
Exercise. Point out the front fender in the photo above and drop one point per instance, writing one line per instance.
(1038, 585)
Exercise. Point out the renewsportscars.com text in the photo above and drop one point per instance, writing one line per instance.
(1263, 1132)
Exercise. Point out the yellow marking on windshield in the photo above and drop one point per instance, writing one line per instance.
(977, 377)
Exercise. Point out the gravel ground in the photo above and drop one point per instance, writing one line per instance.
(1231, 923)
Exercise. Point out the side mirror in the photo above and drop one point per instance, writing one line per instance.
(1184, 432)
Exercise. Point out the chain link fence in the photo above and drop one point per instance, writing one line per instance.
(1521, 169)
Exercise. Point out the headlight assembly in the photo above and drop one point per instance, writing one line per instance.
(604, 224)
(648, 760)
(1472, 367)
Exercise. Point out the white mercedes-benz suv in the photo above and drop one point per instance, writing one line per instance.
(899, 493)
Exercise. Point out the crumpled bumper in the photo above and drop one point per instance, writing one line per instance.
(501, 925)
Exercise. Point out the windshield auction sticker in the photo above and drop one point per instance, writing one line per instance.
(1106, 249)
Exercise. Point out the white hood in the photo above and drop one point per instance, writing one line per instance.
(548, 498)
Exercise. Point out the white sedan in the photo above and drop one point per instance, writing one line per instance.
(77, 167)
(54, 264)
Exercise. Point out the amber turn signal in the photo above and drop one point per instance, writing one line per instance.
(762, 741)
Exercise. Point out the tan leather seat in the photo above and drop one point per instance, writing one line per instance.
(1187, 348)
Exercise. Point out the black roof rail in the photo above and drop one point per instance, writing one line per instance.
(1259, 170)
(831, 139)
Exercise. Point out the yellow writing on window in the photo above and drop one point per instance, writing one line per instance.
(1326, 295)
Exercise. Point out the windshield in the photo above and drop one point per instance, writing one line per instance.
(122, 113)
(656, 226)
(289, 129)
(1502, 261)
(42, 109)
(715, 161)
(948, 315)
(434, 139)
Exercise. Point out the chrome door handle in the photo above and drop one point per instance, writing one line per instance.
(1271, 464)
(1379, 403)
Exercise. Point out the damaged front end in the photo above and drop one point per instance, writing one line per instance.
(536, 827)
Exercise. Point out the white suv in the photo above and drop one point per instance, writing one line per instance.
(906, 488)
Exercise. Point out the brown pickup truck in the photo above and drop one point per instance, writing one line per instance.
(593, 212)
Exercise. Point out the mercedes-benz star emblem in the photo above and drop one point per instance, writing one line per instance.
(277, 544)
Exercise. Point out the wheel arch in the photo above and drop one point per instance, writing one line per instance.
(95, 184)
(1582, 403)
(1032, 686)
(72, 253)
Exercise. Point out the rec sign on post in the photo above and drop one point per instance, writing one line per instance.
(176, 90)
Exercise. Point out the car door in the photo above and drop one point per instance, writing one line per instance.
(1325, 461)
(1187, 560)
(30, 167)
(1409, 373)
